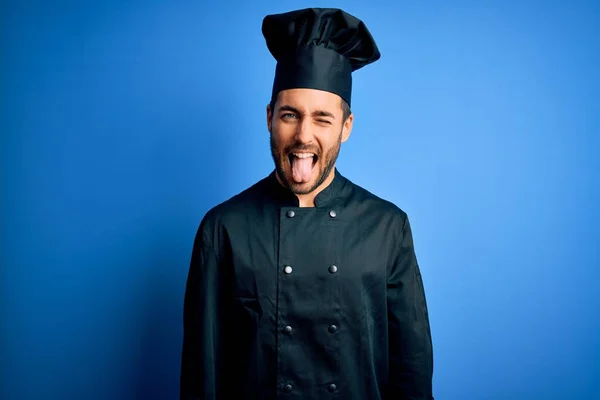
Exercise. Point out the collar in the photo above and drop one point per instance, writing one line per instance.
(324, 198)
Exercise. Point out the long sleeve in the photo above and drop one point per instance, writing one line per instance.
(204, 324)
(410, 344)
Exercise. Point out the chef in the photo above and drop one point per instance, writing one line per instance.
(305, 285)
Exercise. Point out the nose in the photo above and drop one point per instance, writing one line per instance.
(303, 131)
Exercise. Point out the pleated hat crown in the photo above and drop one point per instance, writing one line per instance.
(318, 48)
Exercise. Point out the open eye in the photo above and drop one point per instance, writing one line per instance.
(288, 116)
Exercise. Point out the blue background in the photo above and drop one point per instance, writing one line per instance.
(124, 122)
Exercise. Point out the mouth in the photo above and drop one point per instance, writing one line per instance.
(293, 157)
(302, 164)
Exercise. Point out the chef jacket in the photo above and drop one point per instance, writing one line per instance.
(289, 302)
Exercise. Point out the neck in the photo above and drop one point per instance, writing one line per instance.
(308, 200)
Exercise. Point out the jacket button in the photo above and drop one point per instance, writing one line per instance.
(332, 387)
(288, 329)
(332, 269)
(332, 329)
(287, 269)
(291, 214)
(287, 388)
(332, 214)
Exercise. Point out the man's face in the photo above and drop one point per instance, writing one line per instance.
(306, 134)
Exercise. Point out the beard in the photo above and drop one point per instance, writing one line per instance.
(324, 164)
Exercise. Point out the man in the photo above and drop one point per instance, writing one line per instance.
(305, 285)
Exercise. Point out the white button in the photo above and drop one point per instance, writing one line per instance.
(332, 214)
(288, 269)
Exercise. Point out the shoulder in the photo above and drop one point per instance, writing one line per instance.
(379, 213)
(233, 209)
(370, 202)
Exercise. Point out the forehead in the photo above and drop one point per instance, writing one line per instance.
(310, 100)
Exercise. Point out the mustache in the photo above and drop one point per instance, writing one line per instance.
(299, 147)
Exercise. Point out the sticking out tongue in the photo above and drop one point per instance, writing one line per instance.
(301, 168)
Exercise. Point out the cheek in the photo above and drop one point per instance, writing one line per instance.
(331, 146)
(276, 139)
(329, 141)
(280, 136)
(277, 142)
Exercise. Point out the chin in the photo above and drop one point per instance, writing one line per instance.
(284, 170)
(302, 188)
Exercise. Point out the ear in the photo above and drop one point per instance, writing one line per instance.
(347, 127)
(269, 117)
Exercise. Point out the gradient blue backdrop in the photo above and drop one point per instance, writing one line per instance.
(123, 122)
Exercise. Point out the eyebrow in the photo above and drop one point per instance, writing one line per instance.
(318, 113)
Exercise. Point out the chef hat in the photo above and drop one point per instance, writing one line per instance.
(318, 48)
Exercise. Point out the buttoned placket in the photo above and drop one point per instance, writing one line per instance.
(290, 215)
